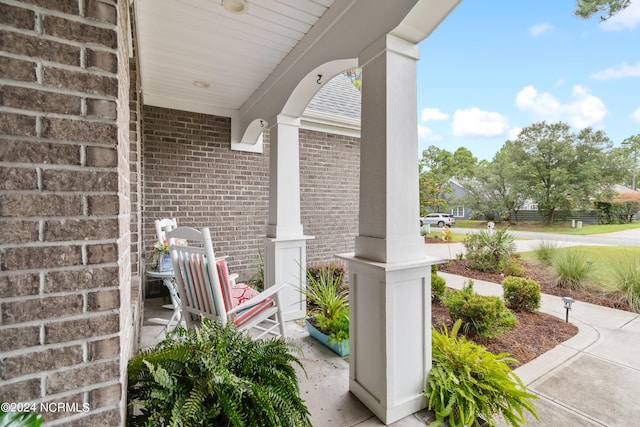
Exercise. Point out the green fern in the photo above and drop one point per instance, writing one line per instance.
(216, 376)
(467, 382)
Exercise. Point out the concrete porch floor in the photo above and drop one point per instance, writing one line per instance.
(325, 387)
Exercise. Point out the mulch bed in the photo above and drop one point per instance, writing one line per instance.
(536, 333)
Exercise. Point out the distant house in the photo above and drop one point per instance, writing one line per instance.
(456, 207)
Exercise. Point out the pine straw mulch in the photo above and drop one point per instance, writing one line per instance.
(536, 333)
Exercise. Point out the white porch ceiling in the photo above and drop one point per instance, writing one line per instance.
(182, 41)
(252, 62)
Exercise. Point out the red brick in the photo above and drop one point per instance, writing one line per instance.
(24, 258)
(104, 349)
(85, 82)
(39, 152)
(101, 108)
(107, 418)
(21, 391)
(102, 60)
(20, 205)
(103, 300)
(80, 329)
(16, 338)
(104, 205)
(17, 17)
(40, 308)
(100, 11)
(78, 280)
(38, 48)
(105, 396)
(16, 124)
(102, 157)
(17, 69)
(79, 130)
(39, 100)
(82, 376)
(78, 32)
(66, 6)
(81, 229)
(19, 285)
(18, 179)
(41, 361)
(70, 180)
(100, 254)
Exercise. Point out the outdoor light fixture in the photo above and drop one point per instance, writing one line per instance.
(235, 6)
(567, 305)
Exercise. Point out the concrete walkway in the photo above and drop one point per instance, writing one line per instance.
(593, 379)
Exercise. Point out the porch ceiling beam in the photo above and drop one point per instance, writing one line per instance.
(339, 34)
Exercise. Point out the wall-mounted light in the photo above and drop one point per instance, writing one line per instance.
(235, 6)
(202, 85)
(567, 305)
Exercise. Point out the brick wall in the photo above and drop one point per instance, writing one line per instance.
(329, 191)
(191, 174)
(64, 206)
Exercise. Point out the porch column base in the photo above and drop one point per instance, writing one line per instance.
(389, 334)
(286, 262)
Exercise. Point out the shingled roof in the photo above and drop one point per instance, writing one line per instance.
(337, 97)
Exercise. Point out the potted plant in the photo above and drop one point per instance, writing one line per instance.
(160, 256)
(216, 376)
(328, 308)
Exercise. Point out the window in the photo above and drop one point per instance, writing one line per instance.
(458, 212)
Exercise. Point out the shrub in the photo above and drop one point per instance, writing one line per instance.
(545, 251)
(328, 272)
(488, 251)
(212, 376)
(482, 315)
(20, 419)
(512, 267)
(438, 288)
(467, 381)
(626, 276)
(328, 301)
(572, 268)
(521, 293)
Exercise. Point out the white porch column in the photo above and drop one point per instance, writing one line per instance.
(286, 246)
(389, 275)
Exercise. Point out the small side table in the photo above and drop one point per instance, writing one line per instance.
(167, 278)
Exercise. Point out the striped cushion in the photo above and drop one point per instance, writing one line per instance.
(236, 295)
(247, 315)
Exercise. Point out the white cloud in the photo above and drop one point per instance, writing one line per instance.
(560, 82)
(539, 29)
(477, 123)
(583, 111)
(427, 134)
(433, 114)
(622, 70)
(636, 115)
(514, 132)
(627, 18)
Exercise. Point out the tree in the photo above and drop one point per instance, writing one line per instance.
(496, 190)
(632, 147)
(464, 164)
(355, 76)
(587, 8)
(437, 168)
(564, 170)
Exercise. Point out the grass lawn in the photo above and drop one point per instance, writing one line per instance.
(561, 227)
(603, 258)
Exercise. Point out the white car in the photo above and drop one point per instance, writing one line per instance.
(439, 219)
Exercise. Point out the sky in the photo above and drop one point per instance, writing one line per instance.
(494, 67)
